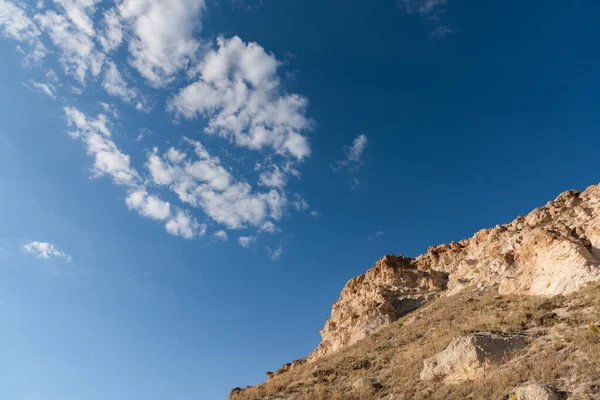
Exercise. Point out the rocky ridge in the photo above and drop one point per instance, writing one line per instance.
(553, 251)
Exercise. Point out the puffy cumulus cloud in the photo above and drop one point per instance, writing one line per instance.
(110, 161)
(162, 40)
(16, 25)
(183, 224)
(238, 90)
(205, 183)
(148, 205)
(45, 250)
(246, 241)
(177, 223)
(353, 153)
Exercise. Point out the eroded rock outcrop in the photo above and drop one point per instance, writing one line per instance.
(391, 289)
(553, 250)
(466, 357)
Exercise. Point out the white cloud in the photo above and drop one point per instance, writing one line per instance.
(183, 224)
(112, 37)
(378, 233)
(47, 89)
(221, 235)
(315, 214)
(430, 10)
(110, 109)
(45, 250)
(246, 241)
(115, 85)
(275, 254)
(178, 223)
(108, 159)
(51, 75)
(353, 153)
(79, 11)
(143, 132)
(268, 227)
(205, 183)
(78, 51)
(148, 206)
(16, 25)
(274, 177)
(299, 203)
(162, 41)
(441, 32)
(424, 8)
(240, 93)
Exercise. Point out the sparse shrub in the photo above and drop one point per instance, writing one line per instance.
(594, 329)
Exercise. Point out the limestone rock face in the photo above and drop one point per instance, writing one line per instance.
(553, 250)
(394, 287)
(466, 357)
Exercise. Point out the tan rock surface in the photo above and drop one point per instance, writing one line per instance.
(391, 289)
(553, 250)
(533, 391)
(466, 357)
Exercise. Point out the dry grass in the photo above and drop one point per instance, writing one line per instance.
(564, 351)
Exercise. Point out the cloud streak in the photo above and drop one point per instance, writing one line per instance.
(112, 162)
(354, 153)
(45, 251)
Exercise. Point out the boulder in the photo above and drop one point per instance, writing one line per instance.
(534, 391)
(365, 383)
(466, 357)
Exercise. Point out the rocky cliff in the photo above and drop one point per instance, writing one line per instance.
(553, 251)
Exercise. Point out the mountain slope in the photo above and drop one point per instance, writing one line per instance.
(422, 328)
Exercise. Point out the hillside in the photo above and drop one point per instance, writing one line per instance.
(512, 312)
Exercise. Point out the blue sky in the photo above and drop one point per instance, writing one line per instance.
(186, 189)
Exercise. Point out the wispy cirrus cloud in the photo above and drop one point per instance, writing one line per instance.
(46, 88)
(430, 10)
(353, 154)
(275, 254)
(45, 250)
